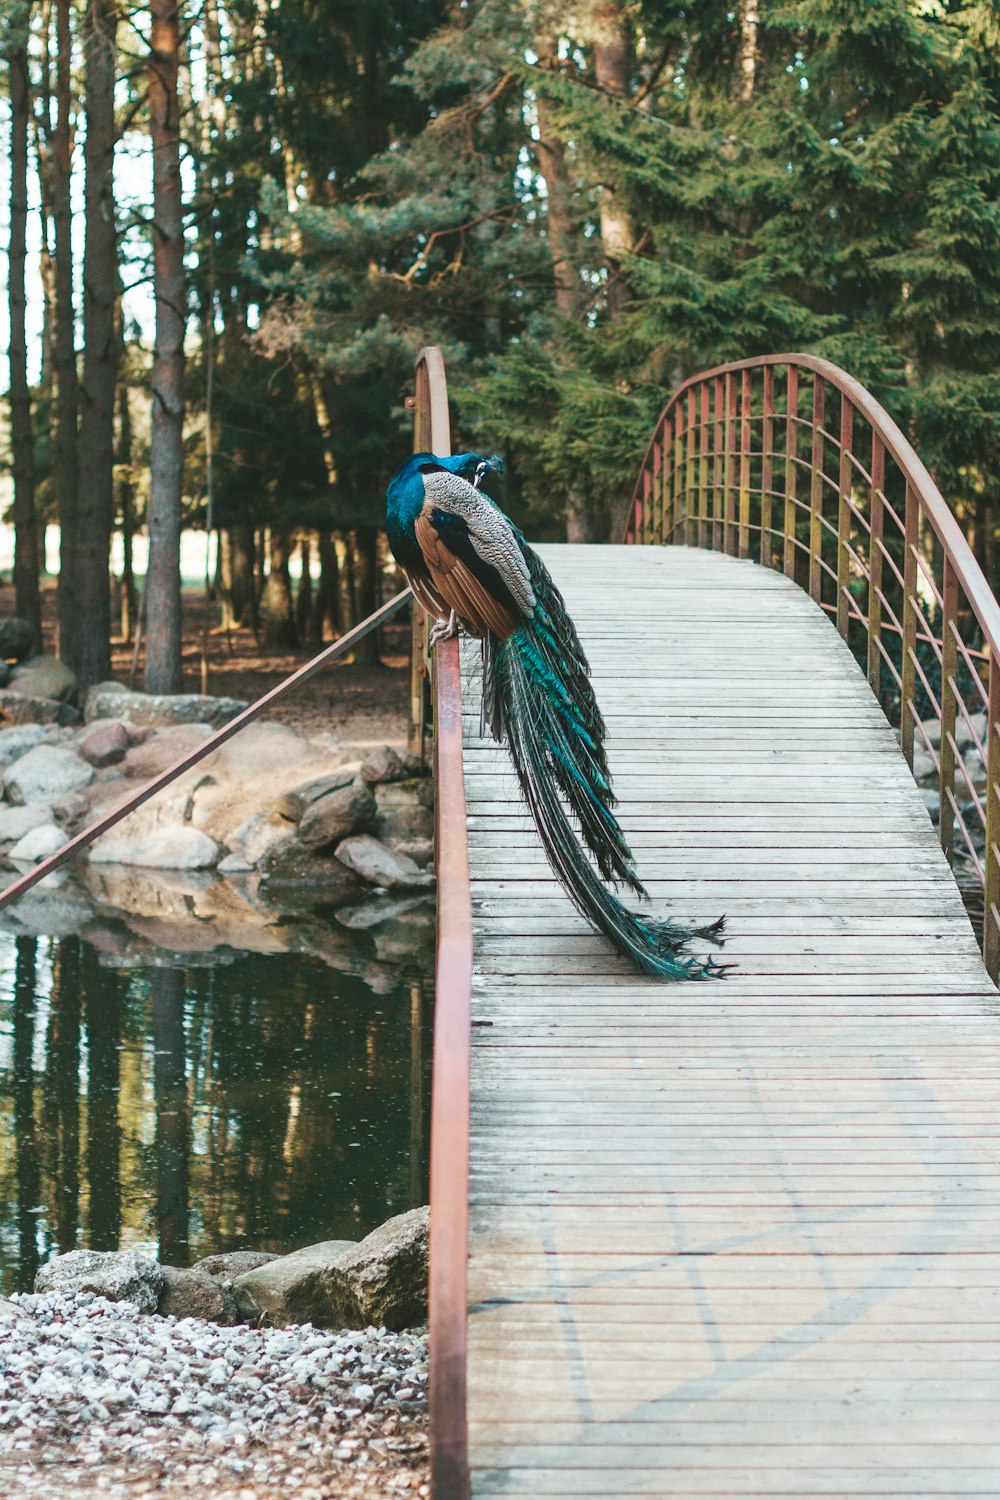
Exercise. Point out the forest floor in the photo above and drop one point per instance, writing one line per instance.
(361, 705)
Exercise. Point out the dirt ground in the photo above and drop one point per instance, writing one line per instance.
(358, 704)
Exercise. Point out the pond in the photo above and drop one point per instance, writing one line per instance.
(188, 1102)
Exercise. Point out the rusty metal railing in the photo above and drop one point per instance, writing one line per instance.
(447, 1291)
(789, 461)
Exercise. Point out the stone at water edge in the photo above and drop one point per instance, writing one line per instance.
(402, 815)
(17, 708)
(148, 758)
(384, 1277)
(111, 701)
(378, 909)
(176, 847)
(292, 806)
(332, 817)
(288, 868)
(43, 677)
(18, 740)
(46, 772)
(15, 822)
(38, 843)
(118, 1275)
(17, 640)
(378, 865)
(421, 851)
(230, 1264)
(194, 1294)
(383, 765)
(293, 1288)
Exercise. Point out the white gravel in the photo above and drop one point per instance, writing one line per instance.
(97, 1399)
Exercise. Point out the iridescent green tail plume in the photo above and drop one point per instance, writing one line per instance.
(538, 698)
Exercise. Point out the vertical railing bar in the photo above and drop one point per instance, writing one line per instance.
(991, 881)
(704, 436)
(666, 475)
(654, 490)
(949, 681)
(816, 490)
(645, 506)
(791, 468)
(731, 540)
(877, 519)
(691, 470)
(844, 513)
(908, 670)
(718, 467)
(746, 404)
(677, 516)
(766, 468)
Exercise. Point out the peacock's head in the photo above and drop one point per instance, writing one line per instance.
(472, 466)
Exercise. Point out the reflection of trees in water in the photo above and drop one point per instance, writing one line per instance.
(268, 1102)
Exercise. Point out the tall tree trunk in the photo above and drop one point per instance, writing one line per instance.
(326, 601)
(749, 50)
(242, 566)
(126, 509)
(66, 477)
(345, 582)
(90, 642)
(303, 601)
(562, 245)
(166, 454)
(366, 653)
(278, 603)
(28, 600)
(612, 74)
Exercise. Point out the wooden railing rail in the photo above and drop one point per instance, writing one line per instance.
(790, 461)
(447, 1294)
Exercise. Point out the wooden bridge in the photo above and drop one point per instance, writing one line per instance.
(735, 1238)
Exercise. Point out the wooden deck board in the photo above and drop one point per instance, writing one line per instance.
(742, 1237)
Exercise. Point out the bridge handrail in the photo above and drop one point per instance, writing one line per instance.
(874, 543)
(448, 1280)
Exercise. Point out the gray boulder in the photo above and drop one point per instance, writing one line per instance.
(385, 1276)
(294, 1288)
(46, 772)
(18, 740)
(117, 1275)
(110, 701)
(402, 816)
(17, 639)
(195, 1294)
(233, 1263)
(381, 866)
(334, 816)
(293, 805)
(43, 677)
(38, 843)
(105, 745)
(18, 708)
(421, 851)
(150, 757)
(178, 846)
(289, 869)
(15, 822)
(383, 765)
(378, 909)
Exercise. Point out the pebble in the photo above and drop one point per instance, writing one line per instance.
(97, 1401)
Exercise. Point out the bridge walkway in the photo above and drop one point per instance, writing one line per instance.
(737, 1238)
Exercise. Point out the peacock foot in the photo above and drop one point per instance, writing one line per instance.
(443, 630)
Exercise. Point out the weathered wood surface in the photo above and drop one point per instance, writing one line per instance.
(737, 1238)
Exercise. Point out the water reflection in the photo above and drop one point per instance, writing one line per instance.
(262, 1101)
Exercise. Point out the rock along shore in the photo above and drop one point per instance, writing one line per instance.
(98, 1399)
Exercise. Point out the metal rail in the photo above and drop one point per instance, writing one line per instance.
(447, 1291)
(94, 830)
(749, 459)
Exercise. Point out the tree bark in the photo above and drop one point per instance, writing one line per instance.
(126, 509)
(326, 611)
(345, 582)
(90, 642)
(166, 454)
(365, 549)
(67, 401)
(28, 600)
(242, 570)
(279, 632)
(303, 601)
(749, 49)
(612, 74)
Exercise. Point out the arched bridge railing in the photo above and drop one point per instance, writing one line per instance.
(789, 461)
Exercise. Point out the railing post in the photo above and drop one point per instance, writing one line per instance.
(654, 525)
(949, 688)
(642, 508)
(767, 467)
(718, 467)
(991, 864)
(746, 443)
(691, 471)
(908, 669)
(844, 515)
(704, 524)
(876, 515)
(729, 479)
(816, 491)
(791, 470)
(677, 508)
(666, 479)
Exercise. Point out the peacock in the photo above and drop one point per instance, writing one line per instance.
(469, 566)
